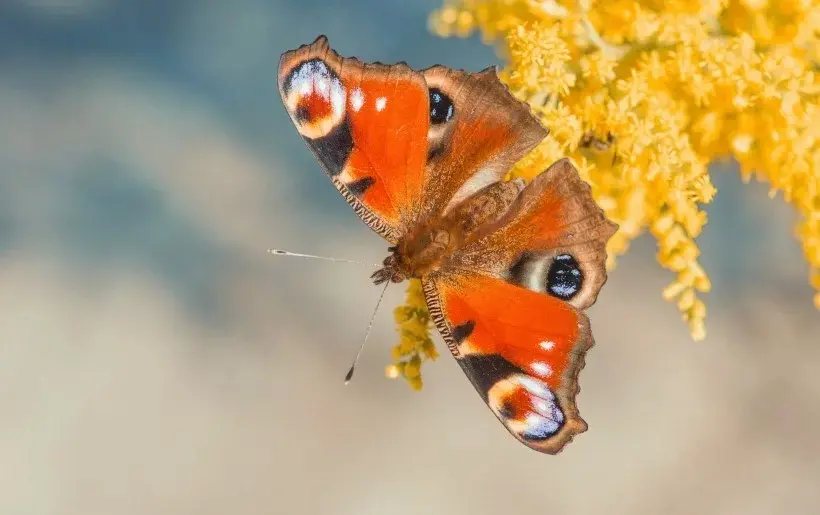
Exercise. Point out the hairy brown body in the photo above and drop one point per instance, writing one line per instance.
(427, 247)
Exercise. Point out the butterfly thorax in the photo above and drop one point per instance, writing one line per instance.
(430, 245)
(419, 253)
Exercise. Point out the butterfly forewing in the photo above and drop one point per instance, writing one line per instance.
(521, 350)
(367, 124)
(399, 144)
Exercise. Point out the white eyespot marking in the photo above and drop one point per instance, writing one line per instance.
(337, 96)
(547, 345)
(541, 368)
(563, 290)
(381, 103)
(536, 415)
(543, 407)
(310, 75)
(535, 387)
(356, 99)
(540, 427)
(323, 87)
(532, 273)
(316, 99)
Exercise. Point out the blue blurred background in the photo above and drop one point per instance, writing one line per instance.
(154, 358)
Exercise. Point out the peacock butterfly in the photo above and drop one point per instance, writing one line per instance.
(507, 268)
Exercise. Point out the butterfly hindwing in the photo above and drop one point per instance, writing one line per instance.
(367, 124)
(552, 240)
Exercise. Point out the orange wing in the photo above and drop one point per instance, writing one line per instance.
(366, 123)
(509, 306)
(399, 144)
(552, 240)
(478, 131)
(521, 350)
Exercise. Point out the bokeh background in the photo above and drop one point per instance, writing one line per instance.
(154, 359)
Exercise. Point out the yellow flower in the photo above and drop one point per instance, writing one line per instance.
(415, 345)
(643, 95)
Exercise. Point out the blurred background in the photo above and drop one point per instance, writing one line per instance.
(154, 359)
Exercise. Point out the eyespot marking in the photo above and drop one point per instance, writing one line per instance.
(564, 278)
(315, 98)
(441, 107)
(535, 387)
(529, 271)
(527, 406)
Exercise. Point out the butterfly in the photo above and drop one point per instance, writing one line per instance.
(507, 267)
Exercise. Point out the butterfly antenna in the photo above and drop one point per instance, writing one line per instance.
(349, 375)
(280, 252)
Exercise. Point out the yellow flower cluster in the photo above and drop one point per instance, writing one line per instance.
(644, 94)
(415, 345)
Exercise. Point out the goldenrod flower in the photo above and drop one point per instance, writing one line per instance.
(643, 95)
(415, 344)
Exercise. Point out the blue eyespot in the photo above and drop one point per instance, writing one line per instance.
(564, 278)
(441, 107)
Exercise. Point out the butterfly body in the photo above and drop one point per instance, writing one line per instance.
(434, 244)
(507, 268)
